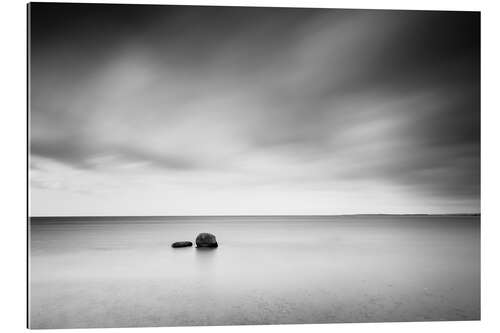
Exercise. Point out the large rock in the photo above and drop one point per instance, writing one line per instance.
(182, 244)
(206, 240)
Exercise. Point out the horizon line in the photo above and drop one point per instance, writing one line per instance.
(262, 215)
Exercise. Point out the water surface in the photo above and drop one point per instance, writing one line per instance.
(122, 272)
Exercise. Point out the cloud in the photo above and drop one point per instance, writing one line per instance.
(249, 99)
(81, 156)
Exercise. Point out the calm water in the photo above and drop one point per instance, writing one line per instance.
(122, 272)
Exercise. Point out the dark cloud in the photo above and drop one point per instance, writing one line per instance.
(80, 156)
(360, 96)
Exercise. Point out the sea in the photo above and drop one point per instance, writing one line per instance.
(89, 272)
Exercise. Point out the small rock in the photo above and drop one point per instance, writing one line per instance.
(206, 240)
(182, 244)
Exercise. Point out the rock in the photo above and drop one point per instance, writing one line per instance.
(206, 240)
(182, 244)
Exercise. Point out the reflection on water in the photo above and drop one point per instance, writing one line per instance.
(123, 272)
(205, 262)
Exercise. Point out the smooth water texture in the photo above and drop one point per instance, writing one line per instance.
(122, 272)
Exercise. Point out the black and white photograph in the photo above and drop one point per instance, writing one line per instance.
(213, 165)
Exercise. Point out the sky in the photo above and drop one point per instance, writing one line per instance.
(184, 110)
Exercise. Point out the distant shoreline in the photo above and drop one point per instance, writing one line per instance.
(102, 217)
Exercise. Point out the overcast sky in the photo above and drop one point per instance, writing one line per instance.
(165, 110)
